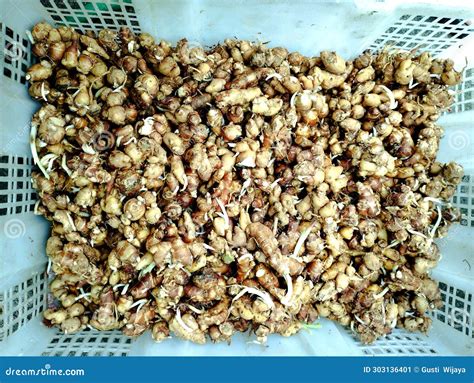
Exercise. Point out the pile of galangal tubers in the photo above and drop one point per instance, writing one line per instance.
(204, 192)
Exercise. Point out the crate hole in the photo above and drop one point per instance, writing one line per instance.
(88, 6)
(102, 6)
(74, 5)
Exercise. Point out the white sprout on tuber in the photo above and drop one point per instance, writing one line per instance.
(276, 75)
(394, 323)
(48, 160)
(382, 293)
(71, 221)
(224, 213)
(194, 309)
(181, 321)
(391, 97)
(437, 223)
(88, 149)
(263, 295)
(147, 126)
(245, 186)
(30, 36)
(245, 256)
(414, 232)
(119, 88)
(35, 210)
(292, 99)
(411, 84)
(304, 235)
(64, 166)
(43, 92)
(247, 162)
(185, 182)
(359, 320)
(130, 140)
(146, 270)
(275, 183)
(83, 295)
(206, 246)
(36, 158)
(140, 303)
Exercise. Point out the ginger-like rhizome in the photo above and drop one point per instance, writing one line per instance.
(203, 192)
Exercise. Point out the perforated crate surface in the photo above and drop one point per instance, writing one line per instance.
(89, 343)
(398, 343)
(15, 54)
(464, 93)
(457, 309)
(93, 14)
(21, 303)
(430, 33)
(16, 191)
(464, 200)
(25, 301)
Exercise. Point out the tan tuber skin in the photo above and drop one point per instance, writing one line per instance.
(200, 192)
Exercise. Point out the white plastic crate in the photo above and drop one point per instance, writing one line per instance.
(347, 27)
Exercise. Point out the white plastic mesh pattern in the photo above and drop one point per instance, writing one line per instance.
(457, 309)
(464, 93)
(89, 343)
(15, 54)
(21, 303)
(430, 33)
(93, 14)
(399, 342)
(16, 191)
(464, 200)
